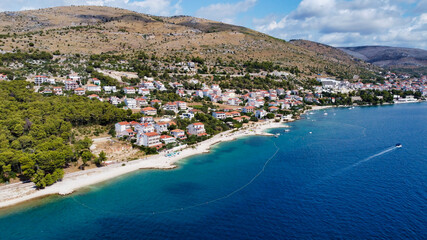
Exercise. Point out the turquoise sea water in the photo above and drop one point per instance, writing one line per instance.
(345, 180)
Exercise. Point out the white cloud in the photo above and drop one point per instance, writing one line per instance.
(225, 12)
(155, 7)
(354, 22)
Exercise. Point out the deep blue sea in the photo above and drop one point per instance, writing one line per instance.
(344, 180)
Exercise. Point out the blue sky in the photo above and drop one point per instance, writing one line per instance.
(335, 22)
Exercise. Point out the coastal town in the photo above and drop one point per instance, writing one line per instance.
(157, 127)
(175, 107)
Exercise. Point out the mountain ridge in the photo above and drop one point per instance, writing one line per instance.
(94, 30)
(391, 57)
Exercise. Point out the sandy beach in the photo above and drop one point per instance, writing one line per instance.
(15, 193)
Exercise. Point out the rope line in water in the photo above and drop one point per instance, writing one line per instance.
(191, 206)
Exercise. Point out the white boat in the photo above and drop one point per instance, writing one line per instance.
(325, 114)
(398, 145)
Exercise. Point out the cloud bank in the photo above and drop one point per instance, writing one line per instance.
(356, 22)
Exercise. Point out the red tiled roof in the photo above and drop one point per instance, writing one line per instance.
(151, 134)
(177, 130)
(148, 109)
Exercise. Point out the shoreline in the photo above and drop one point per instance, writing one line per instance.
(17, 193)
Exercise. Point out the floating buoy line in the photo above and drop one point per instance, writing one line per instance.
(191, 206)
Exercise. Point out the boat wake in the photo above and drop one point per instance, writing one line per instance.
(341, 171)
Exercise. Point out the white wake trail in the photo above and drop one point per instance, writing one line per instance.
(353, 165)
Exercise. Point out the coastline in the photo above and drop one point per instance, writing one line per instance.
(17, 193)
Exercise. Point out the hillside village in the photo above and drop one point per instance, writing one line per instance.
(195, 97)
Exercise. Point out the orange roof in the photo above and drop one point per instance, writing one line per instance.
(198, 123)
(177, 130)
(249, 107)
(149, 109)
(92, 85)
(165, 136)
(123, 123)
(79, 89)
(151, 134)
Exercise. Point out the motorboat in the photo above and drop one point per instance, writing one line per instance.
(398, 145)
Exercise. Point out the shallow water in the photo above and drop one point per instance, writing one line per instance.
(345, 180)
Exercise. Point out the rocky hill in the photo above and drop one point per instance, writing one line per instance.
(93, 30)
(391, 57)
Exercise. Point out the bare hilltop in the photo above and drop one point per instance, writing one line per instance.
(93, 30)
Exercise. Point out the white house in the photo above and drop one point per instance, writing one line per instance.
(93, 88)
(131, 103)
(96, 81)
(171, 107)
(196, 129)
(167, 139)
(260, 113)
(248, 109)
(149, 111)
(115, 100)
(40, 79)
(144, 91)
(181, 104)
(161, 127)
(109, 89)
(79, 91)
(188, 115)
(219, 115)
(70, 85)
(57, 90)
(129, 90)
(178, 133)
(120, 127)
(149, 139)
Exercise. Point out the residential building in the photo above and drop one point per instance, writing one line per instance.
(178, 133)
(57, 90)
(79, 91)
(120, 127)
(38, 80)
(131, 103)
(129, 90)
(110, 89)
(196, 129)
(70, 85)
(248, 109)
(167, 139)
(96, 81)
(261, 113)
(161, 127)
(149, 139)
(149, 111)
(181, 104)
(219, 115)
(93, 88)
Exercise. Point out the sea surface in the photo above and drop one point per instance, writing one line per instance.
(334, 176)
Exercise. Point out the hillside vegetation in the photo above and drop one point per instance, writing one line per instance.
(95, 30)
(36, 138)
